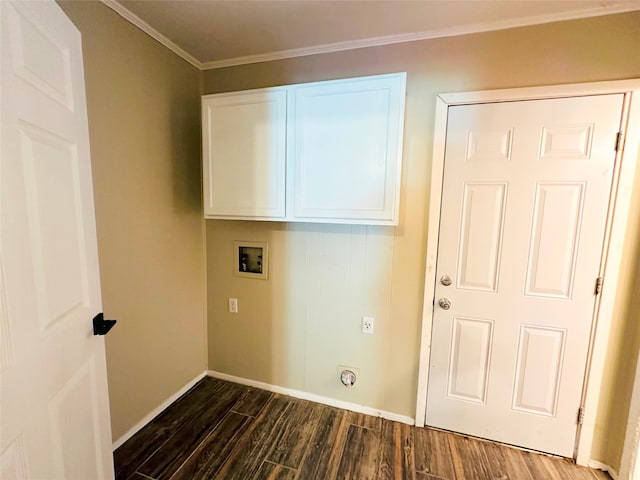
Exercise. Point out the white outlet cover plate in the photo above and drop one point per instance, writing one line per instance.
(233, 305)
(368, 325)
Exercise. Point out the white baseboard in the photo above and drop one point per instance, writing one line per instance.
(157, 411)
(332, 402)
(605, 467)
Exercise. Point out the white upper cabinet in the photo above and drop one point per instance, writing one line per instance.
(326, 152)
(244, 152)
(347, 150)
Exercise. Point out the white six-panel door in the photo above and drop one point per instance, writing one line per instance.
(55, 413)
(525, 197)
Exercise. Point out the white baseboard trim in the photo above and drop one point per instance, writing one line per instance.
(157, 411)
(605, 467)
(312, 397)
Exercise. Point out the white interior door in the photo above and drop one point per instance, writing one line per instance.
(55, 413)
(525, 197)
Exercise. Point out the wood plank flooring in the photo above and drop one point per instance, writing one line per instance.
(222, 430)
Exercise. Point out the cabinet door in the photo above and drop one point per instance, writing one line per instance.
(347, 150)
(244, 137)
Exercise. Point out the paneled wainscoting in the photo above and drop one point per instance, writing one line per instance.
(222, 430)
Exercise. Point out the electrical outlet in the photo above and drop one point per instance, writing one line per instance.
(367, 325)
(233, 305)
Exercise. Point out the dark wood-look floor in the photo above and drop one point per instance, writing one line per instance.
(221, 430)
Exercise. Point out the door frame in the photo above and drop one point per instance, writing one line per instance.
(611, 261)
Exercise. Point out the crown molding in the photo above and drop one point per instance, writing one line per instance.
(609, 9)
(416, 36)
(152, 32)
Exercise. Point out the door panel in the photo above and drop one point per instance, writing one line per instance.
(481, 235)
(525, 197)
(470, 353)
(540, 353)
(39, 58)
(566, 141)
(489, 145)
(554, 239)
(54, 418)
(77, 444)
(55, 226)
(538, 368)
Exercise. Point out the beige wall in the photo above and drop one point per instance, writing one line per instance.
(624, 345)
(143, 106)
(279, 336)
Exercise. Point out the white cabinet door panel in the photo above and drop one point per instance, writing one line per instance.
(244, 137)
(347, 149)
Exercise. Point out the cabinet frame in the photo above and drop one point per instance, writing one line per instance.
(287, 184)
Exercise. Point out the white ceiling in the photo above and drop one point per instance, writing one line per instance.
(216, 33)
